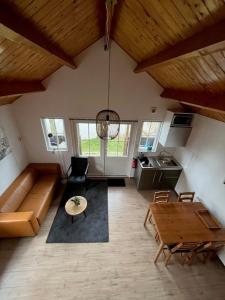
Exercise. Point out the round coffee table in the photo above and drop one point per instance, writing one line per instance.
(72, 209)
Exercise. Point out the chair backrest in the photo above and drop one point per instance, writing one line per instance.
(186, 197)
(161, 197)
(212, 246)
(186, 246)
(79, 165)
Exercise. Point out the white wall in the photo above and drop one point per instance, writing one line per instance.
(81, 93)
(15, 162)
(203, 160)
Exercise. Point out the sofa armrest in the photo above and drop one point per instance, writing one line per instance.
(18, 224)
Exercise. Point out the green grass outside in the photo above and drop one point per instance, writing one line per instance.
(95, 147)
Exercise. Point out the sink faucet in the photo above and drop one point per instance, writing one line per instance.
(164, 153)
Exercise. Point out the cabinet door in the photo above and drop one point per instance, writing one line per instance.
(168, 179)
(147, 179)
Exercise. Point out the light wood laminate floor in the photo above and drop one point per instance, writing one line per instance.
(119, 270)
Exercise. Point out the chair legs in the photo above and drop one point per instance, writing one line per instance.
(190, 258)
(185, 258)
(157, 237)
(206, 256)
(167, 259)
(147, 217)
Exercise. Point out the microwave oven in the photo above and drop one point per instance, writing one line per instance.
(182, 120)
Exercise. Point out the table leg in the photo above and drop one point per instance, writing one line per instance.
(158, 251)
(85, 214)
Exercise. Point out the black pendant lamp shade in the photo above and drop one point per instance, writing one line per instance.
(107, 124)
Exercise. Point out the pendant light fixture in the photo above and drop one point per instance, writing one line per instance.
(107, 120)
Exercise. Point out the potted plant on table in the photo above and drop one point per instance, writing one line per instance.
(76, 201)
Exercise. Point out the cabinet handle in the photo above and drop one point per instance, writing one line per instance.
(160, 177)
(153, 181)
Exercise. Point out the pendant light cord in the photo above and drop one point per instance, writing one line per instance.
(109, 74)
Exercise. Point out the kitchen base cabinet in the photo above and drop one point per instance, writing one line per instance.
(167, 179)
(147, 178)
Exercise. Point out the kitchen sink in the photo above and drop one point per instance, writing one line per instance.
(166, 162)
(147, 165)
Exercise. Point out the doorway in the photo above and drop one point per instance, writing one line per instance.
(106, 158)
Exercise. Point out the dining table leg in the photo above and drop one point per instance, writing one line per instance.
(160, 249)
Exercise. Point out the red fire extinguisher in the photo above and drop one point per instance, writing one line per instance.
(134, 163)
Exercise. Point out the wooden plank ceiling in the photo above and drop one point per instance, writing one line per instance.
(71, 25)
(143, 28)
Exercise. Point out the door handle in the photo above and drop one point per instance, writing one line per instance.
(153, 181)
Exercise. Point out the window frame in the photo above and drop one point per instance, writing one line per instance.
(156, 140)
(45, 133)
(128, 146)
(79, 140)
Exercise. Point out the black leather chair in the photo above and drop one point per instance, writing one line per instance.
(79, 169)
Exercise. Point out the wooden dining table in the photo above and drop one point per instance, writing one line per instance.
(178, 222)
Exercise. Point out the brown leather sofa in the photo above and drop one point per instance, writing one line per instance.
(24, 205)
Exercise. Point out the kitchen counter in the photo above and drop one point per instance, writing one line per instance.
(154, 163)
(157, 173)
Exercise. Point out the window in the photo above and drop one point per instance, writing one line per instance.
(149, 136)
(89, 142)
(54, 133)
(119, 146)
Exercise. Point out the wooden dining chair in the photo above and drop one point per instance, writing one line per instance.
(159, 197)
(182, 248)
(209, 250)
(186, 197)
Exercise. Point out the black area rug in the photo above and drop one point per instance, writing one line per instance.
(116, 182)
(94, 228)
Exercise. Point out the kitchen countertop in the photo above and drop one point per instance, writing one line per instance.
(153, 163)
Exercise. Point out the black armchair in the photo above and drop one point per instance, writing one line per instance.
(79, 168)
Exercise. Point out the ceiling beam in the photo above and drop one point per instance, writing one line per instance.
(209, 37)
(206, 112)
(15, 88)
(19, 30)
(8, 100)
(200, 99)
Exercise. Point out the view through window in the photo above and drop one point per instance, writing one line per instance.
(120, 145)
(54, 133)
(90, 144)
(149, 136)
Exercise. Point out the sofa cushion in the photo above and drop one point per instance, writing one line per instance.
(14, 195)
(39, 198)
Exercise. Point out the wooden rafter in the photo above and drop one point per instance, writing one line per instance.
(210, 37)
(16, 88)
(199, 99)
(19, 30)
(206, 112)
